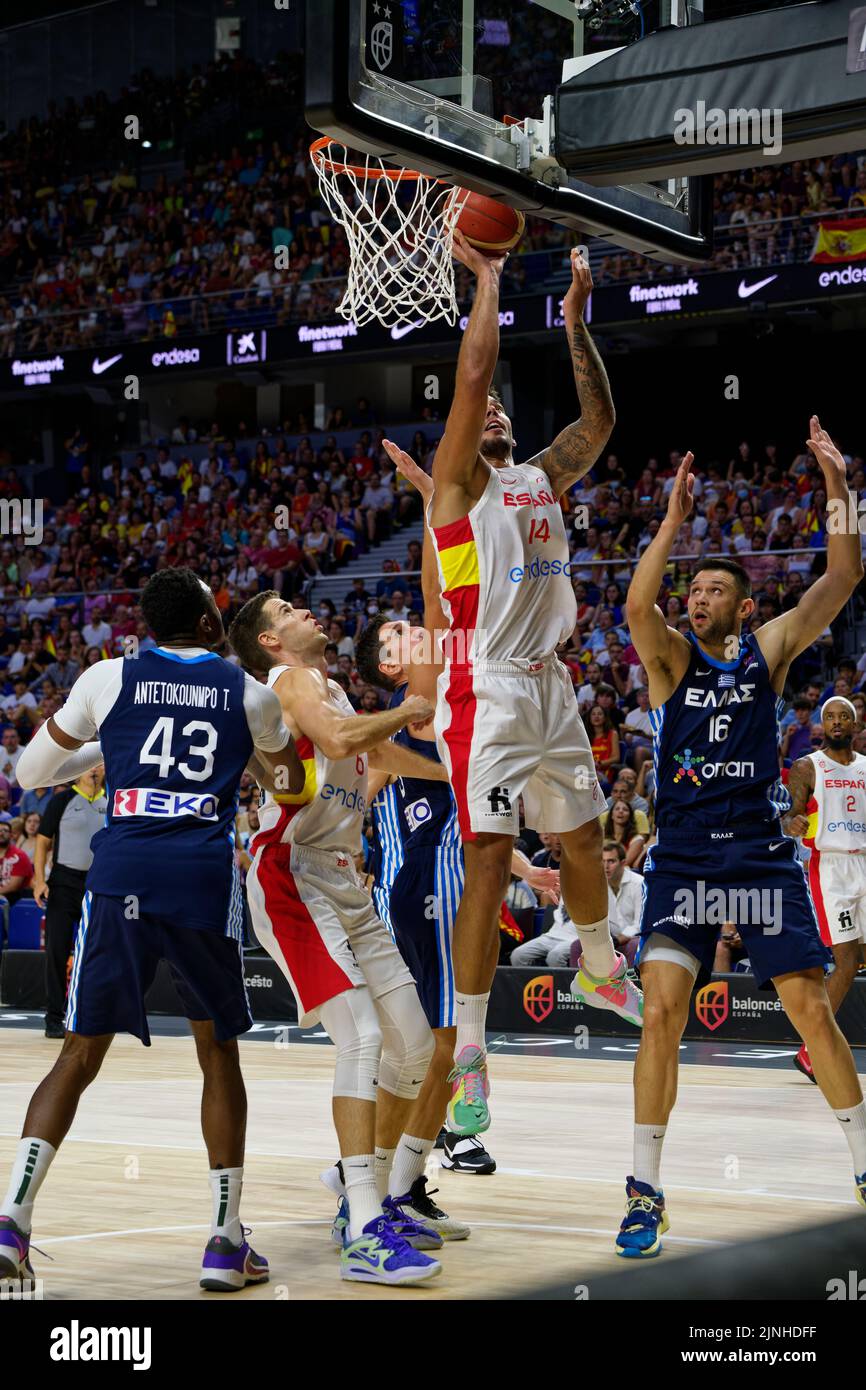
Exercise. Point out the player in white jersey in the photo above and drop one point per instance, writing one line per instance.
(828, 792)
(507, 723)
(313, 915)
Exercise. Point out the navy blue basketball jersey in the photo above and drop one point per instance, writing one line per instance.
(175, 744)
(410, 812)
(716, 744)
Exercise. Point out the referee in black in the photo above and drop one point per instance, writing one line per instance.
(72, 818)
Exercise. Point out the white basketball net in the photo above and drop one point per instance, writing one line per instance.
(400, 228)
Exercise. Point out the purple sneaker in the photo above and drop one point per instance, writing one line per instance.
(381, 1256)
(407, 1225)
(228, 1267)
(14, 1251)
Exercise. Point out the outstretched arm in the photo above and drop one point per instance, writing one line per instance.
(456, 458)
(576, 448)
(303, 695)
(662, 651)
(783, 638)
(801, 785)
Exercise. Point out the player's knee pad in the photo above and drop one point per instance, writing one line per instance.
(352, 1024)
(407, 1043)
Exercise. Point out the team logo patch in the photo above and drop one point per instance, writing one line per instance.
(499, 801)
(687, 760)
(418, 813)
(150, 801)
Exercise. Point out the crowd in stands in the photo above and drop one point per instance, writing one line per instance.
(98, 255)
(71, 600)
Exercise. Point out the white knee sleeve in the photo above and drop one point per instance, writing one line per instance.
(351, 1023)
(407, 1042)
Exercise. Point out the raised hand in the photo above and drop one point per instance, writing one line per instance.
(475, 260)
(682, 497)
(825, 451)
(580, 288)
(409, 468)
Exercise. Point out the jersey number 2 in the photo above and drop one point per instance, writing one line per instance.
(156, 749)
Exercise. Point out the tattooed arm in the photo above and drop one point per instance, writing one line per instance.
(575, 450)
(801, 785)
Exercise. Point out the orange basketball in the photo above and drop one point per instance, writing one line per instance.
(490, 226)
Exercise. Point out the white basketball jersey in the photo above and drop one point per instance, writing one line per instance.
(505, 573)
(329, 811)
(837, 809)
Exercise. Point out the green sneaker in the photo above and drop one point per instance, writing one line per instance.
(380, 1256)
(468, 1112)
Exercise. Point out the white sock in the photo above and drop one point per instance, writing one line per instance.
(225, 1191)
(32, 1160)
(853, 1123)
(409, 1162)
(648, 1140)
(359, 1173)
(384, 1160)
(599, 954)
(471, 1021)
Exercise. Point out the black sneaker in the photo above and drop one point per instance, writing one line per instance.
(440, 1138)
(419, 1206)
(55, 1030)
(465, 1153)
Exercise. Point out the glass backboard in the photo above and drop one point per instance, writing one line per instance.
(464, 90)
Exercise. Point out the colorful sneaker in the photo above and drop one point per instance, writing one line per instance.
(14, 1251)
(645, 1221)
(467, 1108)
(465, 1153)
(802, 1063)
(418, 1205)
(409, 1225)
(381, 1256)
(228, 1267)
(860, 1188)
(618, 992)
(340, 1228)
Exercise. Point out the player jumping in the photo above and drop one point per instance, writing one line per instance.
(828, 812)
(715, 698)
(507, 723)
(177, 726)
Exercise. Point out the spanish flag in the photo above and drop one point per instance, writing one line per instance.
(840, 240)
(508, 925)
(49, 646)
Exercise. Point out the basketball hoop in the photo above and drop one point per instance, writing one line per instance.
(400, 227)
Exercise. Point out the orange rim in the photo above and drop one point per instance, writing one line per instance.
(360, 170)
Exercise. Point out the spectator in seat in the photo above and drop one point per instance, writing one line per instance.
(10, 752)
(16, 870)
(552, 947)
(800, 736)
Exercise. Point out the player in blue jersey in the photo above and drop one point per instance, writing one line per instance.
(418, 881)
(177, 725)
(722, 854)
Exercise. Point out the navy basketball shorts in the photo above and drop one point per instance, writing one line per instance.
(425, 896)
(695, 880)
(114, 965)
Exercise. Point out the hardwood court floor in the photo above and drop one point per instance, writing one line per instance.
(125, 1209)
